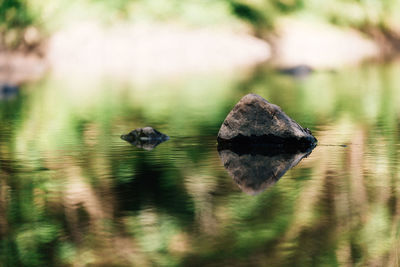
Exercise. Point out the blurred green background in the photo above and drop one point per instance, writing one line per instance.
(365, 15)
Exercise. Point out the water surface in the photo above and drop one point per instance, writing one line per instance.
(72, 193)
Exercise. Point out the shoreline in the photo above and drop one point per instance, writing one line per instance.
(163, 50)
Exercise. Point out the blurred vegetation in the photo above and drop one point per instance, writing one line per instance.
(17, 15)
(73, 193)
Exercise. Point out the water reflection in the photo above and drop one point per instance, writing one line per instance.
(255, 171)
(146, 144)
(72, 193)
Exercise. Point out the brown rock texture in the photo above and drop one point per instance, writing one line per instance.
(254, 120)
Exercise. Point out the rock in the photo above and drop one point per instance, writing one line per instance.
(254, 173)
(8, 91)
(255, 121)
(299, 71)
(146, 138)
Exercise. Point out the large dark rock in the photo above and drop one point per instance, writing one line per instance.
(254, 173)
(146, 138)
(254, 120)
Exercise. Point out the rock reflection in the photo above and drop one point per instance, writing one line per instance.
(257, 169)
(145, 144)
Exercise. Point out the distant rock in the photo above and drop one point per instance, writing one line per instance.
(298, 71)
(8, 91)
(146, 138)
(255, 121)
(254, 172)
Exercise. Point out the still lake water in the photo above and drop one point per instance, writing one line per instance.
(72, 193)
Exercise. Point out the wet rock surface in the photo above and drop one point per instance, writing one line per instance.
(254, 120)
(146, 138)
(254, 173)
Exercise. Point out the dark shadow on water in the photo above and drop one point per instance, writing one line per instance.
(153, 184)
(254, 169)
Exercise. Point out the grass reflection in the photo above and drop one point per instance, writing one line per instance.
(73, 193)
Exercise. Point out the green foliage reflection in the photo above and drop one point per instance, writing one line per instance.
(72, 192)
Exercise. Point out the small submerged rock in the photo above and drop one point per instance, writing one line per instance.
(254, 121)
(146, 138)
